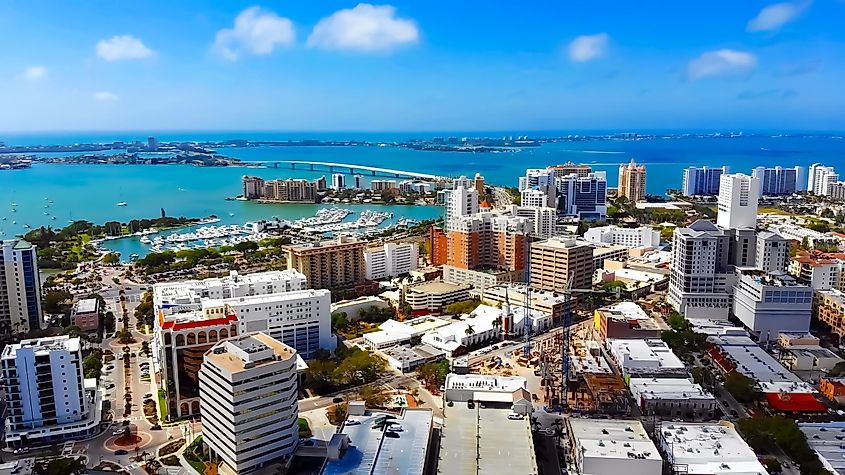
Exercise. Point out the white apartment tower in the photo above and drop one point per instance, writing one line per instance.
(248, 389)
(338, 181)
(820, 178)
(391, 260)
(738, 194)
(47, 398)
(772, 253)
(700, 282)
(20, 288)
(461, 201)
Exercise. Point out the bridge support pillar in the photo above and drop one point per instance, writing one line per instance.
(312, 167)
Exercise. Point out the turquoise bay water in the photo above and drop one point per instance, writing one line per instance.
(91, 192)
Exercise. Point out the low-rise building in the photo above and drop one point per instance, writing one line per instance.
(707, 449)
(833, 388)
(552, 303)
(819, 270)
(628, 237)
(86, 315)
(248, 389)
(407, 358)
(638, 283)
(487, 388)
(768, 304)
(825, 438)
(393, 332)
(608, 252)
(802, 234)
(352, 308)
(673, 398)
(809, 358)
(378, 442)
(645, 358)
(611, 447)
(434, 296)
(481, 278)
(48, 399)
(626, 320)
(789, 339)
(829, 308)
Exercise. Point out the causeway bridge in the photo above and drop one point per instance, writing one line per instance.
(353, 169)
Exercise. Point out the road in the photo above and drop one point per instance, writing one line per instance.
(501, 197)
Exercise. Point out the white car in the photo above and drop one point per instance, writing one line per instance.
(395, 428)
(515, 417)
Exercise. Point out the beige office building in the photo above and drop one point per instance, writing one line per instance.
(336, 264)
(555, 261)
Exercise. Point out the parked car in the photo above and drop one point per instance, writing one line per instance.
(353, 422)
(396, 428)
(155, 427)
(118, 431)
(120, 452)
(337, 400)
(515, 417)
(470, 404)
(22, 450)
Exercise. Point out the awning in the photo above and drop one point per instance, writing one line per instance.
(795, 402)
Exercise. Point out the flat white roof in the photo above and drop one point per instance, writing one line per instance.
(612, 438)
(43, 346)
(753, 362)
(86, 306)
(481, 382)
(709, 448)
(644, 354)
(826, 438)
(667, 388)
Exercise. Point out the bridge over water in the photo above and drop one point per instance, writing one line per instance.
(353, 169)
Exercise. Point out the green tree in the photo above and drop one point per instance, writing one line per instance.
(359, 367)
(111, 259)
(742, 388)
(340, 321)
(373, 396)
(464, 306)
(57, 301)
(320, 375)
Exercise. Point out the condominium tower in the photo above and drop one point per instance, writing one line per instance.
(702, 181)
(632, 181)
(737, 206)
(336, 264)
(20, 288)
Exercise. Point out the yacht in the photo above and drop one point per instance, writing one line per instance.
(122, 203)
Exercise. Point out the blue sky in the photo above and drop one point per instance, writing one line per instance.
(421, 66)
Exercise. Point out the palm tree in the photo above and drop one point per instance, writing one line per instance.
(469, 330)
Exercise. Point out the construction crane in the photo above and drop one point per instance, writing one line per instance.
(567, 323)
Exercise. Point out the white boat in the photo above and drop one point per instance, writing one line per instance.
(14, 222)
(122, 203)
(14, 204)
(146, 240)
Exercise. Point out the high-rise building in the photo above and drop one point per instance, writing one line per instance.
(47, 398)
(536, 197)
(20, 288)
(738, 195)
(772, 253)
(320, 183)
(391, 260)
(585, 197)
(700, 278)
(774, 181)
(338, 181)
(152, 143)
(478, 184)
(248, 392)
(438, 243)
(292, 189)
(382, 185)
(489, 241)
(335, 265)
(544, 219)
(192, 316)
(557, 264)
(836, 191)
(253, 187)
(632, 181)
(460, 201)
(570, 168)
(820, 178)
(702, 181)
(359, 182)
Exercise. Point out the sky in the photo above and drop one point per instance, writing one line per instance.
(429, 65)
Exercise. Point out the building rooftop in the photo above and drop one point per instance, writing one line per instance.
(437, 287)
(667, 388)
(248, 351)
(371, 452)
(645, 355)
(612, 438)
(633, 314)
(709, 448)
(86, 306)
(43, 346)
(561, 243)
(826, 438)
(740, 353)
(812, 351)
(501, 445)
(482, 383)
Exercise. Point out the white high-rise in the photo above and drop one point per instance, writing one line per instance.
(772, 253)
(20, 288)
(338, 181)
(628, 237)
(738, 195)
(48, 400)
(461, 201)
(702, 181)
(820, 178)
(248, 389)
(700, 280)
(391, 260)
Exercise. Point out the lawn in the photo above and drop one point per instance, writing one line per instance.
(765, 210)
(162, 404)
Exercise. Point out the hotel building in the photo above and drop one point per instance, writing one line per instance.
(632, 181)
(336, 264)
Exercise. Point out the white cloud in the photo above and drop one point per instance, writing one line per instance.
(121, 47)
(105, 96)
(588, 47)
(776, 15)
(723, 62)
(255, 31)
(34, 73)
(364, 28)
